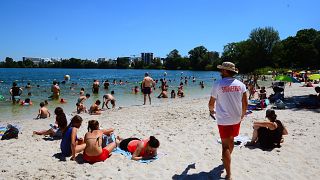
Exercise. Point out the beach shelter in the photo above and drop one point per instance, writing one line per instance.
(286, 79)
(302, 72)
(289, 71)
(314, 77)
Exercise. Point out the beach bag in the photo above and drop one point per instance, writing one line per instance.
(12, 132)
(279, 104)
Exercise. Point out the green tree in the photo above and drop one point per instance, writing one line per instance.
(263, 41)
(123, 62)
(198, 59)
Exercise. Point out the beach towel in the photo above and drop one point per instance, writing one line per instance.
(239, 140)
(2, 130)
(128, 155)
(10, 133)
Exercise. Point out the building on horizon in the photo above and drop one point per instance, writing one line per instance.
(147, 58)
(36, 61)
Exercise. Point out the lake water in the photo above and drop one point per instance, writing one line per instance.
(84, 78)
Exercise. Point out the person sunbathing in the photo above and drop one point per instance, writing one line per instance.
(268, 134)
(70, 144)
(140, 149)
(93, 139)
(58, 128)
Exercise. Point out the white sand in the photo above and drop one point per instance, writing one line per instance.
(188, 139)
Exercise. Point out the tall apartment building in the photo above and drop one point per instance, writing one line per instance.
(147, 58)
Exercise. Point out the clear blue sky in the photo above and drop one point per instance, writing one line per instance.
(112, 28)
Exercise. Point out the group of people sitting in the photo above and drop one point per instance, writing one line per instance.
(93, 145)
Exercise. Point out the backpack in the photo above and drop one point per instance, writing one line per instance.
(11, 132)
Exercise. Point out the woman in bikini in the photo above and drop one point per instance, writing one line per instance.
(93, 139)
(140, 149)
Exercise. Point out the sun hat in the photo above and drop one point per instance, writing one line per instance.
(228, 66)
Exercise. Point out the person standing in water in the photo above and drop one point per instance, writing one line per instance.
(228, 102)
(15, 93)
(147, 84)
(95, 86)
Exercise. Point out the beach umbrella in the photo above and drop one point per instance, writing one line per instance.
(286, 79)
(289, 71)
(314, 76)
(302, 72)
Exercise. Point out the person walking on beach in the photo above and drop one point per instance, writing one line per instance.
(228, 103)
(147, 83)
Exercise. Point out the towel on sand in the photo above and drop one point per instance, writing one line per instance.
(240, 140)
(117, 150)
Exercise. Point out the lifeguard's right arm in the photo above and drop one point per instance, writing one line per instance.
(211, 104)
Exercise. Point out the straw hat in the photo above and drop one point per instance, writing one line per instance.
(228, 66)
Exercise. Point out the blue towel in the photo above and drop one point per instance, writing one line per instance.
(127, 154)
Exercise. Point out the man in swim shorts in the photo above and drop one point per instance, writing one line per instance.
(15, 92)
(109, 98)
(228, 102)
(147, 83)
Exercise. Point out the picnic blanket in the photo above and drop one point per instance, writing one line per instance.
(128, 155)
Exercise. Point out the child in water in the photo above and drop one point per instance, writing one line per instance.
(43, 112)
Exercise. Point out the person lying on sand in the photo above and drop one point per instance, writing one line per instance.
(140, 149)
(268, 134)
(93, 140)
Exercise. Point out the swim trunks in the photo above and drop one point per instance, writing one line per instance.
(93, 159)
(147, 90)
(227, 131)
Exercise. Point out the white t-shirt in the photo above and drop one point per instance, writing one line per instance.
(228, 93)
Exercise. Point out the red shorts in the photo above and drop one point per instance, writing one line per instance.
(227, 131)
(92, 159)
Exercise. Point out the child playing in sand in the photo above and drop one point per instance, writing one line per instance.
(109, 98)
(81, 108)
(43, 112)
(94, 109)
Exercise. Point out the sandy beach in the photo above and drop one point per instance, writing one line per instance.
(188, 145)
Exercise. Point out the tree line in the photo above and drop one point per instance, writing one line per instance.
(262, 49)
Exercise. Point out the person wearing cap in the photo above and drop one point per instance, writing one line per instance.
(268, 133)
(228, 105)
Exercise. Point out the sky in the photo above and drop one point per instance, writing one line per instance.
(90, 29)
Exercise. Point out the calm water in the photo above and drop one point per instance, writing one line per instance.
(84, 78)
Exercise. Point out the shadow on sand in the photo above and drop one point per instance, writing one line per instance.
(295, 103)
(212, 175)
(61, 157)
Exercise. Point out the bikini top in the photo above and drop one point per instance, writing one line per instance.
(96, 138)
